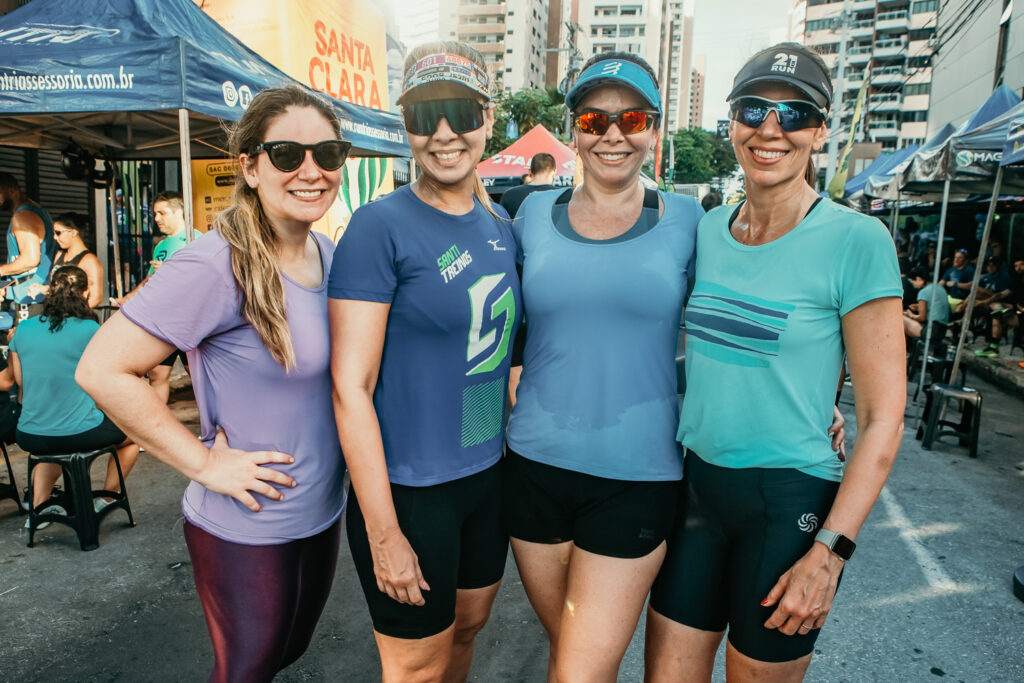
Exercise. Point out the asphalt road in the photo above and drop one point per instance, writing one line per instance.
(928, 595)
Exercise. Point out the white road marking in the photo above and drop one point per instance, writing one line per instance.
(934, 574)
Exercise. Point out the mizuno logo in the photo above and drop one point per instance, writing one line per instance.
(494, 243)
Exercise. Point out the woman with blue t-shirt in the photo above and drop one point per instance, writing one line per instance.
(593, 467)
(424, 306)
(787, 283)
(56, 415)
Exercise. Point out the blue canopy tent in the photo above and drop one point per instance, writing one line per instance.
(142, 79)
(882, 164)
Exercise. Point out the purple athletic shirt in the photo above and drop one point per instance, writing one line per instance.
(193, 303)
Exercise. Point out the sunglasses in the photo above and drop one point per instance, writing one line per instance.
(793, 115)
(286, 156)
(462, 114)
(630, 122)
(57, 232)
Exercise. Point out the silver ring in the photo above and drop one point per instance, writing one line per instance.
(805, 626)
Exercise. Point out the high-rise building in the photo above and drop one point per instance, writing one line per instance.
(696, 109)
(889, 42)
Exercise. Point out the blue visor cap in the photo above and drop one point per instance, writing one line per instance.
(615, 72)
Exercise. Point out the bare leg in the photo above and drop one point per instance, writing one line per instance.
(603, 605)
(472, 608)
(160, 380)
(421, 660)
(544, 569)
(44, 476)
(676, 653)
(911, 328)
(127, 453)
(742, 669)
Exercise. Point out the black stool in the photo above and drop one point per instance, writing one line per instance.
(967, 430)
(78, 496)
(10, 489)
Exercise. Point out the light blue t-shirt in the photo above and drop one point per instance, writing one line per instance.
(938, 303)
(52, 404)
(598, 392)
(764, 340)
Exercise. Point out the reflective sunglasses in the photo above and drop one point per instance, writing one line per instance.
(462, 114)
(793, 115)
(630, 122)
(286, 156)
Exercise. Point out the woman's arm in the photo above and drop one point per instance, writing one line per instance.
(111, 371)
(14, 365)
(94, 272)
(876, 353)
(357, 342)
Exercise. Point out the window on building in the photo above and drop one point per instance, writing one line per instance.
(924, 6)
(921, 33)
(640, 31)
(627, 31)
(630, 11)
(818, 25)
(912, 116)
(919, 62)
(917, 89)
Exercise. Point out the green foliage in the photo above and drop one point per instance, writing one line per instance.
(699, 156)
(528, 107)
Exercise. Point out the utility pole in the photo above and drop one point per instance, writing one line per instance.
(837, 103)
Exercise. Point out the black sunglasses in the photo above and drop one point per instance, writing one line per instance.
(463, 115)
(286, 156)
(630, 122)
(793, 115)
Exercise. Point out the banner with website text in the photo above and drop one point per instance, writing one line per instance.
(338, 47)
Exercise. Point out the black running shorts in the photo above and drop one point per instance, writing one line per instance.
(743, 529)
(456, 532)
(547, 504)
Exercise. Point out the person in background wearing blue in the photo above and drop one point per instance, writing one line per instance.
(592, 469)
(958, 278)
(56, 415)
(31, 247)
(787, 283)
(424, 305)
(932, 305)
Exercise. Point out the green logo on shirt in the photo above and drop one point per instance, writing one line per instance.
(480, 343)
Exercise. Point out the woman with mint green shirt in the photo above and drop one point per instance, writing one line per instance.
(787, 284)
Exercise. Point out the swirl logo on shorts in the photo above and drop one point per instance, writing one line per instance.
(808, 522)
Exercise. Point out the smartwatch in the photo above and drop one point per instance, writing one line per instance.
(837, 543)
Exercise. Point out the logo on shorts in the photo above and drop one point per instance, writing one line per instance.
(646, 534)
(808, 522)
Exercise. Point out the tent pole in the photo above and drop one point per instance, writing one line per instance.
(935, 284)
(969, 310)
(100, 215)
(112, 221)
(184, 139)
(895, 220)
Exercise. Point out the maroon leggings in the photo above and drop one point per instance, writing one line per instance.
(262, 602)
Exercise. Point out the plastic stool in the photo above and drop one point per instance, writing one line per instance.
(967, 430)
(78, 496)
(10, 489)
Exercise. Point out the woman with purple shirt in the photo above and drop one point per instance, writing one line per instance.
(248, 302)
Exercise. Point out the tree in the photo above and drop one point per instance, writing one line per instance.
(528, 108)
(700, 156)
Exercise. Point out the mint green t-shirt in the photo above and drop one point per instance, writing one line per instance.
(167, 246)
(764, 341)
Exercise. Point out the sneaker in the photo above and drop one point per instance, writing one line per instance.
(100, 503)
(53, 509)
(990, 351)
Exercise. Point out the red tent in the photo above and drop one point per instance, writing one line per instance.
(504, 169)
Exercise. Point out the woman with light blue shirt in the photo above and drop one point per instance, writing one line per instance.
(592, 468)
(787, 284)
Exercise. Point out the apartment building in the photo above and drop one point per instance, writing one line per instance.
(892, 44)
(696, 110)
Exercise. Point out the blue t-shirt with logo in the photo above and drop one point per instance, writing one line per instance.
(598, 393)
(455, 307)
(764, 342)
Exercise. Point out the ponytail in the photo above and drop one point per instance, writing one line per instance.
(480, 192)
(811, 174)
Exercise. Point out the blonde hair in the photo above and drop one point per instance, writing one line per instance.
(462, 50)
(246, 229)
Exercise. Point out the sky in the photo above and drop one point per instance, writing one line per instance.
(729, 32)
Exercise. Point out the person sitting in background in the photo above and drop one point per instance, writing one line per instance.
(958, 278)
(932, 306)
(57, 416)
(711, 200)
(542, 174)
(1007, 309)
(70, 230)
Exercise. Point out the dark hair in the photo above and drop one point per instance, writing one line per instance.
(66, 298)
(9, 182)
(918, 272)
(627, 56)
(173, 198)
(78, 222)
(542, 162)
(711, 200)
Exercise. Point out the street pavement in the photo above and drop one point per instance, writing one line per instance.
(927, 597)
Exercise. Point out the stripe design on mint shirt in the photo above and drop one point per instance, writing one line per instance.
(734, 328)
(483, 411)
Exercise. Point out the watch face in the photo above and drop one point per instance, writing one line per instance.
(843, 547)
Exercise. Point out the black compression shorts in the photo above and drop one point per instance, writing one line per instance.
(743, 529)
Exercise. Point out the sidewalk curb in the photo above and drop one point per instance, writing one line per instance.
(997, 371)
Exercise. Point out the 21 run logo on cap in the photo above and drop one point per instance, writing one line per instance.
(786, 63)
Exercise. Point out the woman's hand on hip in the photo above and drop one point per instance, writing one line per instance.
(804, 594)
(838, 433)
(239, 473)
(397, 569)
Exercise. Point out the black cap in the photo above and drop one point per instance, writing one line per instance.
(788, 63)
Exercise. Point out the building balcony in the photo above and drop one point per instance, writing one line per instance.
(858, 55)
(885, 102)
(892, 47)
(884, 130)
(861, 5)
(888, 75)
(490, 48)
(892, 21)
(481, 29)
(862, 29)
(482, 10)
(889, 3)
(853, 81)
